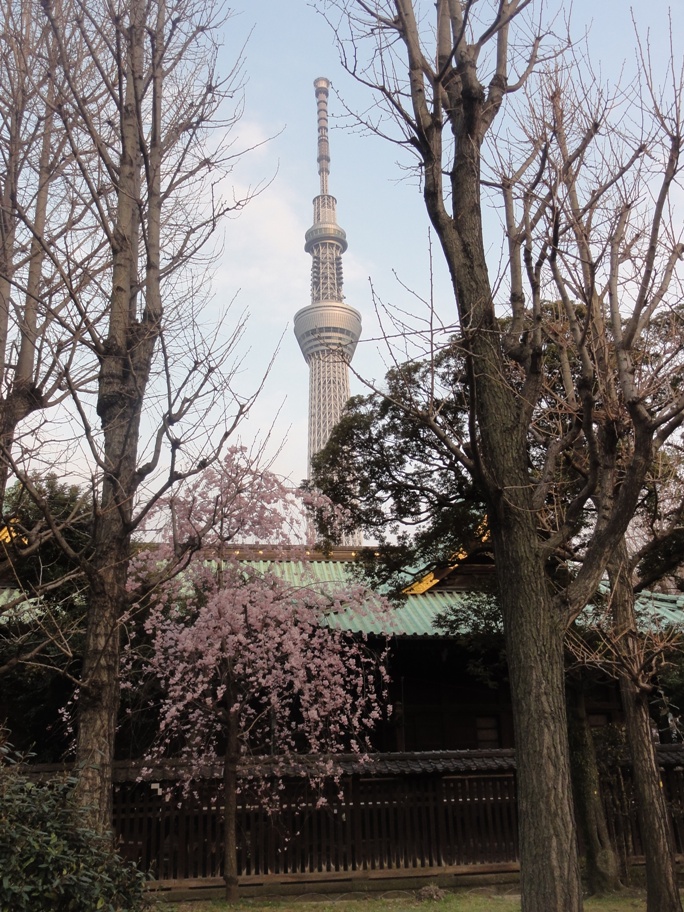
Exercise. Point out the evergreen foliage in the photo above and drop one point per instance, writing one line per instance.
(50, 860)
(395, 480)
(41, 636)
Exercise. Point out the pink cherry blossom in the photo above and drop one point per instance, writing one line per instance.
(242, 658)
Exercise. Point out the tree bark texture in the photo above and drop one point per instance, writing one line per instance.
(549, 863)
(657, 838)
(602, 869)
(98, 702)
(230, 787)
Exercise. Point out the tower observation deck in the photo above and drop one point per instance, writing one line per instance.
(327, 329)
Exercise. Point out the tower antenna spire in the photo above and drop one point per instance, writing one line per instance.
(322, 87)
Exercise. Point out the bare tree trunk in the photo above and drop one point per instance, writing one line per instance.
(125, 364)
(602, 867)
(534, 629)
(657, 838)
(549, 864)
(230, 786)
(98, 702)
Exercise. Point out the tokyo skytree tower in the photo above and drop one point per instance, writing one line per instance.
(327, 329)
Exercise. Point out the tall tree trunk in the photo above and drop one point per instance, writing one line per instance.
(657, 838)
(98, 701)
(534, 627)
(602, 867)
(125, 363)
(119, 403)
(549, 863)
(230, 786)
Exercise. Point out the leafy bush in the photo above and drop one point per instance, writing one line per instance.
(50, 861)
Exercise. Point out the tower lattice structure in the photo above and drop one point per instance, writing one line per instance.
(327, 329)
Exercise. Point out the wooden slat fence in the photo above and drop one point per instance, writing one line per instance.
(411, 815)
(621, 810)
(364, 824)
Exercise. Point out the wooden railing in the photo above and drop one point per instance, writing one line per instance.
(361, 824)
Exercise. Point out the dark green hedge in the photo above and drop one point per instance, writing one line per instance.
(50, 861)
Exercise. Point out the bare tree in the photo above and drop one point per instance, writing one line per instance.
(639, 657)
(635, 656)
(586, 224)
(35, 204)
(38, 211)
(141, 121)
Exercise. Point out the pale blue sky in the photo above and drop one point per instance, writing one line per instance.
(288, 46)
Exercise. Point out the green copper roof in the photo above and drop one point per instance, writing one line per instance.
(302, 572)
(416, 616)
(663, 609)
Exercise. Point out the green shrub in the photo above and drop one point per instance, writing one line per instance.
(50, 861)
